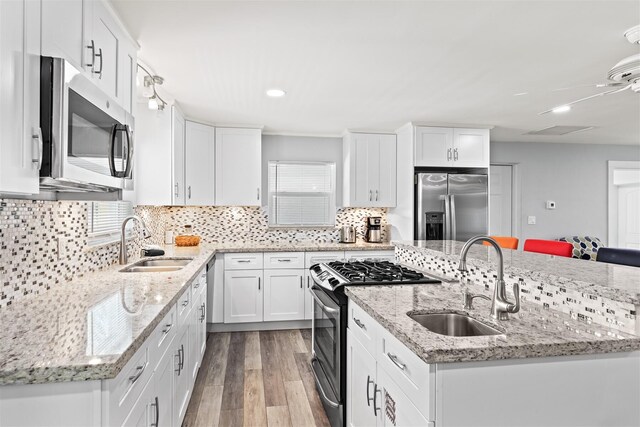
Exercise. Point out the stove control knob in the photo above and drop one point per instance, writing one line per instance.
(334, 282)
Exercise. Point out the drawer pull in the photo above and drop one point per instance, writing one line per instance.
(167, 328)
(284, 260)
(396, 361)
(196, 285)
(244, 261)
(139, 371)
(185, 303)
(359, 323)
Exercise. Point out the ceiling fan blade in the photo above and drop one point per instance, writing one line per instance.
(596, 85)
(609, 92)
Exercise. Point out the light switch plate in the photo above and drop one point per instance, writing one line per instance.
(531, 220)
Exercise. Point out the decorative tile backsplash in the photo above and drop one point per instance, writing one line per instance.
(44, 243)
(579, 305)
(223, 224)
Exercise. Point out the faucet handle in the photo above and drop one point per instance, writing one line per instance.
(514, 308)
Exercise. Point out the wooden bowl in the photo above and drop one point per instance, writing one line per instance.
(187, 240)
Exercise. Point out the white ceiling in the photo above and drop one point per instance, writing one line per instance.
(379, 65)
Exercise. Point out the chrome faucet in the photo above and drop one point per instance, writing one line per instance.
(123, 243)
(500, 306)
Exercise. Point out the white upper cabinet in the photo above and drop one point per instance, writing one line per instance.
(20, 138)
(238, 170)
(159, 168)
(199, 165)
(451, 147)
(369, 170)
(63, 40)
(102, 44)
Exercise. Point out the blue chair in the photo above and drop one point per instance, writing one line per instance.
(619, 256)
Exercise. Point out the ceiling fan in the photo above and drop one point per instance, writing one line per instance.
(624, 75)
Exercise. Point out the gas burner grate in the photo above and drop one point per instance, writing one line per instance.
(375, 271)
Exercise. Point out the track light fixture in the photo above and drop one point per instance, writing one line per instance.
(149, 90)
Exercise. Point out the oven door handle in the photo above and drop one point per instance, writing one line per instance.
(324, 395)
(325, 308)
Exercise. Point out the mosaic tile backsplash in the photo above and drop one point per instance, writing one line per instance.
(223, 224)
(579, 305)
(44, 243)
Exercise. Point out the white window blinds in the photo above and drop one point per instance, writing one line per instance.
(302, 194)
(105, 219)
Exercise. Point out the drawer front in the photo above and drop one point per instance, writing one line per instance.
(379, 255)
(415, 378)
(126, 388)
(162, 336)
(248, 261)
(283, 260)
(312, 258)
(199, 284)
(363, 327)
(183, 306)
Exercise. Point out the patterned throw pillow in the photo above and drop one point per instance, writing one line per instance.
(584, 247)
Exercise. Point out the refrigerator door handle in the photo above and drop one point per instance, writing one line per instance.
(452, 213)
(447, 231)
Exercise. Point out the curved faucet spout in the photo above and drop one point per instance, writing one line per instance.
(123, 240)
(500, 306)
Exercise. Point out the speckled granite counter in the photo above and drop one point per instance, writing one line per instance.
(533, 332)
(67, 333)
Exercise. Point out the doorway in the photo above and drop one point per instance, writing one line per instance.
(624, 204)
(503, 191)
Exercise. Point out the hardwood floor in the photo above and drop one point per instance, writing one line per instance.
(256, 379)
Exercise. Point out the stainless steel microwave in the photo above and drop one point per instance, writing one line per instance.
(87, 138)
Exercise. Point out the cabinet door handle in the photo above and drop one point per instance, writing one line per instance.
(449, 154)
(99, 72)
(258, 283)
(92, 46)
(258, 193)
(396, 361)
(139, 371)
(455, 154)
(369, 382)
(370, 195)
(176, 192)
(156, 404)
(300, 282)
(181, 357)
(359, 323)
(189, 191)
(375, 398)
(376, 195)
(307, 282)
(37, 146)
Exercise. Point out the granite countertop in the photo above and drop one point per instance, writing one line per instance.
(533, 332)
(67, 333)
(612, 281)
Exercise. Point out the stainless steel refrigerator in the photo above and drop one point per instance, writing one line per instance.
(451, 206)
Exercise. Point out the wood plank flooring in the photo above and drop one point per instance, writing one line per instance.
(256, 379)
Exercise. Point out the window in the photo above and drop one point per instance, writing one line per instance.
(105, 220)
(302, 194)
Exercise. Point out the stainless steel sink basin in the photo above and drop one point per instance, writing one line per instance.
(157, 265)
(454, 324)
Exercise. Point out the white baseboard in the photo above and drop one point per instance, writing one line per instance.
(258, 326)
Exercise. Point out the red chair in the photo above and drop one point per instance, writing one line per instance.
(549, 247)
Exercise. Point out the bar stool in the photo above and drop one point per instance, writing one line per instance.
(620, 256)
(505, 242)
(549, 247)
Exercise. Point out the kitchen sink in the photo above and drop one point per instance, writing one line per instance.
(157, 265)
(454, 324)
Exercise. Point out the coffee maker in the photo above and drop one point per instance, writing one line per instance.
(372, 229)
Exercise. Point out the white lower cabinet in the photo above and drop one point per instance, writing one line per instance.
(284, 292)
(162, 401)
(182, 376)
(140, 415)
(243, 300)
(362, 393)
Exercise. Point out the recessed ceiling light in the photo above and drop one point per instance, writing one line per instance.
(562, 109)
(276, 93)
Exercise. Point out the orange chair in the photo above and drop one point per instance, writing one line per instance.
(549, 247)
(505, 242)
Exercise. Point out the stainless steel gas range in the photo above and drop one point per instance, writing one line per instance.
(330, 321)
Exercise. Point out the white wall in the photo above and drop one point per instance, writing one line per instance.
(572, 175)
(302, 148)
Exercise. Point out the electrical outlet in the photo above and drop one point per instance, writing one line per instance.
(531, 220)
(61, 250)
